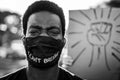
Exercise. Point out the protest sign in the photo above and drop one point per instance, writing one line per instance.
(94, 43)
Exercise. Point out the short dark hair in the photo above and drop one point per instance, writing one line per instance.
(113, 3)
(43, 6)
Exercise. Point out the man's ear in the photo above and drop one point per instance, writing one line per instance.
(64, 41)
(23, 39)
(23, 36)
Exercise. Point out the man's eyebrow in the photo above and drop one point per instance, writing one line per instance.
(53, 27)
(35, 27)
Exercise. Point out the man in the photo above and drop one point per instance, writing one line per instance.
(44, 29)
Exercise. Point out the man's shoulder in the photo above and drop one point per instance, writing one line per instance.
(16, 75)
(66, 75)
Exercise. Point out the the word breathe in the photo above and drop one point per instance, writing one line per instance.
(46, 60)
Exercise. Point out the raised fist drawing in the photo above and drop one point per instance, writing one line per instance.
(99, 33)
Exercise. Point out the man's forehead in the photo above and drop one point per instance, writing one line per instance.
(44, 17)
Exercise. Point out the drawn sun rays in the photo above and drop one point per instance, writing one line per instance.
(102, 35)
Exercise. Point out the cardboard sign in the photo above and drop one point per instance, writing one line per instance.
(94, 43)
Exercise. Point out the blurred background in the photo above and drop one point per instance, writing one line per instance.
(11, 48)
(12, 54)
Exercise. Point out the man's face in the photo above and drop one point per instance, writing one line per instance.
(44, 24)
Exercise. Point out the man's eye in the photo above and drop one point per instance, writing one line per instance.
(54, 32)
(34, 33)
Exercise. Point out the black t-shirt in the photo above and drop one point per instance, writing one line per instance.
(21, 75)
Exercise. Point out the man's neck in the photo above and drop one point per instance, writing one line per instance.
(37, 74)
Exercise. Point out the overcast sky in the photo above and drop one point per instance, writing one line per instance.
(21, 5)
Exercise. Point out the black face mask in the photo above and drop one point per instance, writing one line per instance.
(43, 52)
